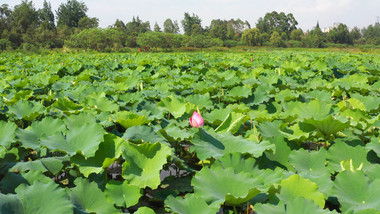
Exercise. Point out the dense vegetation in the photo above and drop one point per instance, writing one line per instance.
(284, 132)
(28, 28)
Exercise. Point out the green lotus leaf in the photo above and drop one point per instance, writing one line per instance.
(190, 204)
(34, 198)
(88, 198)
(281, 152)
(27, 110)
(263, 178)
(329, 125)
(371, 103)
(122, 194)
(224, 185)
(296, 186)
(321, 95)
(144, 210)
(109, 150)
(298, 132)
(128, 119)
(294, 206)
(356, 193)
(10, 204)
(260, 96)
(341, 151)
(173, 105)
(315, 109)
(20, 95)
(311, 165)
(84, 140)
(216, 116)
(100, 101)
(210, 144)
(142, 134)
(374, 145)
(51, 164)
(30, 137)
(143, 163)
(66, 105)
(175, 133)
(7, 133)
(356, 104)
(239, 92)
(232, 123)
(285, 95)
(201, 100)
(271, 129)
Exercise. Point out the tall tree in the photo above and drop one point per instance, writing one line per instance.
(70, 13)
(119, 25)
(218, 29)
(170, 26)
(87, 23)
(191, 24)
(46, 16)
(251, 37)
(340, 35)
(25, 16)
(280, 22)
(157, 28)
(137, 26)
(5, 18)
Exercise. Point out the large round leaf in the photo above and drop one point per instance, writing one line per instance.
(27, 110)
(356, 193)
(30, 137)
(84, 139)
(143, 163)
(296, 186)
(210, 144)
(87, 197)
(224, 185)
(7, 133)
(44, 198)
(190, 204)
(122, 194)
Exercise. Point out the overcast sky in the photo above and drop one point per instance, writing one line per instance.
(360, 13)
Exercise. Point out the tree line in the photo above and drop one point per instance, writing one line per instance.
(25, 27)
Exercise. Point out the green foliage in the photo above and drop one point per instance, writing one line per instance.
(285, 132)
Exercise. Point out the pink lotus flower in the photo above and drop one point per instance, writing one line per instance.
(196, 120)
(251, 59)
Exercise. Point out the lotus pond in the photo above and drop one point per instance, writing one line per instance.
(284, 132)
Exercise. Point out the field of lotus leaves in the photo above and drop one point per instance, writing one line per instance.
(273, 132)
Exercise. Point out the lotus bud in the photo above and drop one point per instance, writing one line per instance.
(196, 120)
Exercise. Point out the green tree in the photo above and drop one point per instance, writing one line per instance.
(119, 25)
(340, 35)
(315, 38)
(137, 26)
(355, 34)
(170, 26)
(86, 23)
(371, 34)
(157, 28)
(5, 19)
(70, 13)
(275, 39)
(280, 22)
(218, 29)
(46, 16)
(251, 37)
(191, 24)
(24, 17)
(296, 34)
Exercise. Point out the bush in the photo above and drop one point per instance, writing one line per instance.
(5, 44)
